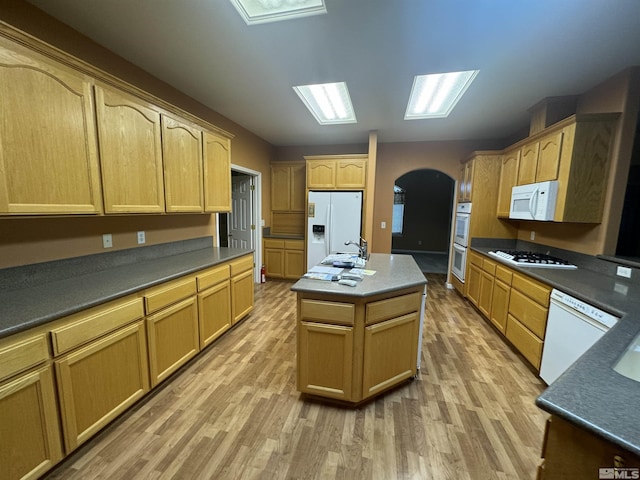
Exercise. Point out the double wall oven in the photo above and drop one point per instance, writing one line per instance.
(461, 240)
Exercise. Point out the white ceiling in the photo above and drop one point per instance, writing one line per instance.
(526, 50)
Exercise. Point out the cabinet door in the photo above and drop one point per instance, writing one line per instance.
(462, 188)
(390, 353)
(182, 160)
(528, 164)
(508, 179)
(321, 174)
(130, 154)
(468, 180)
(500, 305)
(30, 442)
(173, 338)
(351, 174)
(325, 360)
(241, 295)
(280, 187)
(549, 157)
(298, 186)
(48, 144)
(473, 284)
(217, 173)
(294, 266)
(486, 293)
(214, 312)
(100, 381)
(274, 262)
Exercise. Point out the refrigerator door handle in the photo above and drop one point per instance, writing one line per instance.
(327, 231)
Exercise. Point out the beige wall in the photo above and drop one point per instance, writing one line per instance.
(24, 241)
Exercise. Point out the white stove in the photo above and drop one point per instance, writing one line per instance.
(523, 258)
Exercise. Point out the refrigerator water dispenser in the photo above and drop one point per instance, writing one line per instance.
(318, 233)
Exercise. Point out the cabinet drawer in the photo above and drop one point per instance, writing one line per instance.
(22, 356)
(489, 266)
(328, 312)
(529, 313)
(168, 293)
(392, 307)
(527, 343)
(241, 265)
(273, 243)
(294, 244)
(504, 274)
(475, 259)
(212, 276)
(532, 289)
(94, 323)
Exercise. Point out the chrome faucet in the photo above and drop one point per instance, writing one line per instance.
(362, 247)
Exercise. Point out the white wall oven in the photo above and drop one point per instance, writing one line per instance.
(461, 240)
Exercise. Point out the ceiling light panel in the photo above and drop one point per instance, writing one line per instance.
(435, 95)
(263, 11)
(328, 102)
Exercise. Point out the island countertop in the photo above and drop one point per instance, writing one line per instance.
(392, 272)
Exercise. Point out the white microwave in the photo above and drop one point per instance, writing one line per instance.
(536, 201)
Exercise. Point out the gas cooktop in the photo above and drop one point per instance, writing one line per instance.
(523, 258)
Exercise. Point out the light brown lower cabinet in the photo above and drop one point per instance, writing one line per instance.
(241, 287)
(284, 258)
(500, 305)
(214, 312)
(30, 442)
(99, 381)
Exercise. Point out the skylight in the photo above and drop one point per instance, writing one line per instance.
(328, 102)
(263, 11)
(434, 96)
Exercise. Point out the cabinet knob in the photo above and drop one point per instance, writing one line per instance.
(618, 461)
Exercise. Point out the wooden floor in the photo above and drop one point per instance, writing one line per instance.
(234, 413)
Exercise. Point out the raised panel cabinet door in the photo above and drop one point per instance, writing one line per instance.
(48, 143)
(294, 266)
(468, 180)
(549, 157)
(500, 305)
(217, 172)
(298, 185)
(390, 350)
(351, 173)
(461, 185)
(30, 441)
(130, 153)
(182, 161)
(98, 382)
(508, 179)
(274, 262)
(241, 295)
(173, 338)
(280, 187)
(321, 174)
(473, 283)
(486, 293)
(528, 163)
(214, 312)
(325, 360)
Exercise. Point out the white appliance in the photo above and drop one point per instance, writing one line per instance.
(573, 326)
(333, 218)
(461, 240)
(522, 258)
(536, 201)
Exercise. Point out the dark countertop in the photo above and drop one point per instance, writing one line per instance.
(393, 272)
(68, 287)
(590, 394)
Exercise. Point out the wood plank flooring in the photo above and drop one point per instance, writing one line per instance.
(234, 412)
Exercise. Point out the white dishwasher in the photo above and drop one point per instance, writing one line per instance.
(573, 326)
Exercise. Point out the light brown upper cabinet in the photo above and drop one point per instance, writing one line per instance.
(48, 149)
(465, 182)
(508, 179)
(540, 159)
(182, 160)
(130, 153)
(217, 172)
(287, 187)
(336, 172)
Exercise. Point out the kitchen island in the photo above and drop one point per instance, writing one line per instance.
(356, 342)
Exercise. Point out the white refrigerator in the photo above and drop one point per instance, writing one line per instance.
(332, 219)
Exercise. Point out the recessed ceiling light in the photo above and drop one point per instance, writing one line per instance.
(434, 96)
(328, 102)
(263, 11)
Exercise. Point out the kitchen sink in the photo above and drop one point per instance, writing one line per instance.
(629, 363)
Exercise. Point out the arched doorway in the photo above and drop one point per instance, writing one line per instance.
(423, 202)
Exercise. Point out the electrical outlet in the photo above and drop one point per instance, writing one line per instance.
(532, 236)
(141, 238)
(419, 242)
(623, 272)
(107, 240)
(383, 224)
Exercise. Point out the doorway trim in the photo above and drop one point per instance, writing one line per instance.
(256, 217)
